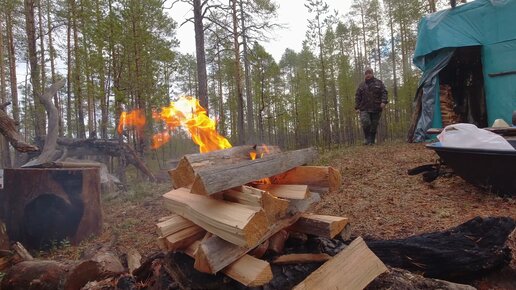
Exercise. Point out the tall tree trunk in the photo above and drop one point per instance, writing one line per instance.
(52, 54)
(30, 28)
(6, 156)
(200, 54)
(81, 132)
(325, 103)
(42, 46)
(238, 78)
(222, 114)
(69, 124)
(248, 92)
(377, 22)
(362, 18)
(138, 92)
(393, 54)
(12, 73)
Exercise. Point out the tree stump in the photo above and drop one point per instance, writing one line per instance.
(43, 206)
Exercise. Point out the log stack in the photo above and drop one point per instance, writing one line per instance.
(448, 114)
(229, 209)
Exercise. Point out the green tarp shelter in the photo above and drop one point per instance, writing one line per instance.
(473, 48)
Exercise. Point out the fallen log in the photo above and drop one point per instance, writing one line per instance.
(460, 254)
(313, 176)
(245, 226)
(353, 268)
(217, 179)
(402, 279)
(184, 173)
(42, 274)
(8, 129)
(320, 225)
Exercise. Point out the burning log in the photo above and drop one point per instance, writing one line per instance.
(216, 179)
(244, 226)
(184, 174)
(315, 177)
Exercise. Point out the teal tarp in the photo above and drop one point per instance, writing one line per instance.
(487, 23)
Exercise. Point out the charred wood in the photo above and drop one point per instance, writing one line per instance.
(463, 253)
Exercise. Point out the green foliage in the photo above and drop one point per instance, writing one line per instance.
(126, 58)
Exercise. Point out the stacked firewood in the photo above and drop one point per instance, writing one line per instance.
(228, 210)
(449, 116)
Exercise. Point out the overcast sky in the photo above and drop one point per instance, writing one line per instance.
(292, 13)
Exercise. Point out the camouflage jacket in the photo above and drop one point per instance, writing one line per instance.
(369, 96)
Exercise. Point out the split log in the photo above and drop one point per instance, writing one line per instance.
(183, 238)
(248, 270)
(460, 254)
(8, 129)
(313, 176)
(184, 173)
(320, 225)
(217, 179)
(273, 207)
(214, 254)
(353, 268)
(288, 191)
(236, 223)
(301, 258)
(401, 279)
(172, 224)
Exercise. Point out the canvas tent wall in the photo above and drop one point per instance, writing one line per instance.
(487, 24)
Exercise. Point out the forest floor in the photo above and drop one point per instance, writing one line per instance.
(378, 196)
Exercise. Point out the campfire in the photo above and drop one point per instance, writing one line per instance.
(230, 205)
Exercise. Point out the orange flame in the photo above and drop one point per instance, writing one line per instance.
(160, 139)
(186, 113)
(253, 155)
(135, 119)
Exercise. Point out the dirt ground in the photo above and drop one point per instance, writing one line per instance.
(377, 195)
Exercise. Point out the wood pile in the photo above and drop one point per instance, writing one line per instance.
(449, 116)
(229, 210)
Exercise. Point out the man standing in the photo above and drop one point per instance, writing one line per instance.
(370, 99)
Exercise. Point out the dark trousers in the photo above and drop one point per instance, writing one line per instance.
(369, 121)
